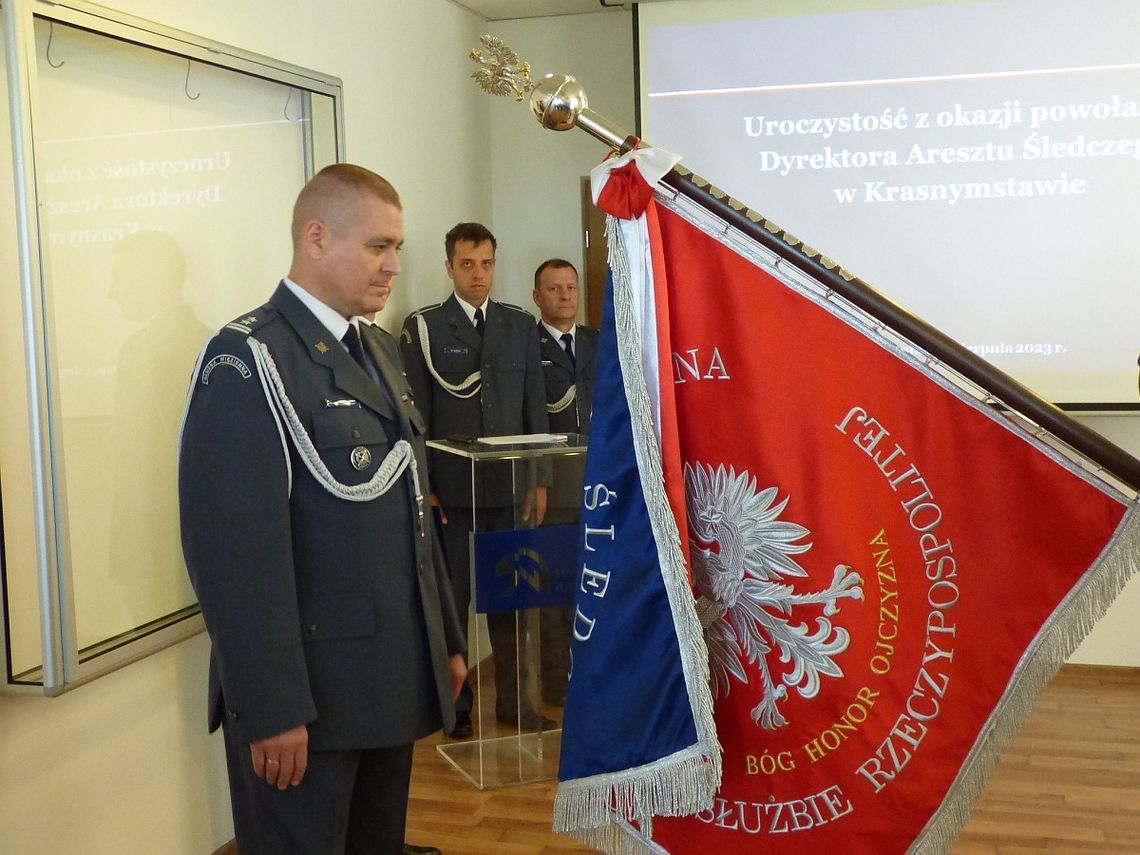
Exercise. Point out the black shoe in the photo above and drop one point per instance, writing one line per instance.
(531, 721)
(462, 730)
(409, 849)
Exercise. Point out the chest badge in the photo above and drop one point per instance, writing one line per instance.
(361, 458)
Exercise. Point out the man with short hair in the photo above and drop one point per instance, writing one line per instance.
(475, 367)
(568, 348)
(302, 484)
(568, 358)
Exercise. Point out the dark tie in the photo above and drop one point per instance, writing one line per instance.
(351, 340)
(479, 321)
(568, 345)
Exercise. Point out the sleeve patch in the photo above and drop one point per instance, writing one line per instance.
(225, 359)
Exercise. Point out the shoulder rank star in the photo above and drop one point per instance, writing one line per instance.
(321, 347)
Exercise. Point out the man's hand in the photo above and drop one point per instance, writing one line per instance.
(458, 674)
(535, 503)
(281, 760)
(435, 503)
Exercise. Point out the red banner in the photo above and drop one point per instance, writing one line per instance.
(885, 566)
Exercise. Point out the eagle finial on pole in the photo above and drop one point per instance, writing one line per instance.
(558, 101)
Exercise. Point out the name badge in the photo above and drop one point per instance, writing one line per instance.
(452, 350)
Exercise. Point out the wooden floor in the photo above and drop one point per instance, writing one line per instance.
(1069, 783)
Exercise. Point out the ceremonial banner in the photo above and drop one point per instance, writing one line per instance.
(884, 570)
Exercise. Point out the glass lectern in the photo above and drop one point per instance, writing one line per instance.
(523, 565)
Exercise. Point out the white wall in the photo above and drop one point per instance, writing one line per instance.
(1115, 640)
(535, 173)
(124, 764)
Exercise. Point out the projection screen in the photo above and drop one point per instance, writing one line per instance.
(977, 162)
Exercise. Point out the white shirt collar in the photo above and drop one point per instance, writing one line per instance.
(470, 310)
(556, 333)
(329, 317)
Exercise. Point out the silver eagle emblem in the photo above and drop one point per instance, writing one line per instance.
(742, 566)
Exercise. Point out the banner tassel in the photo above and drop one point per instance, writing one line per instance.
(1073, 619)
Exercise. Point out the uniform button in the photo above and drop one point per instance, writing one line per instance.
(312, 628)
(234, 715)
(355, 433)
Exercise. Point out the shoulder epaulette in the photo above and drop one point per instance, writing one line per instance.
(513, 306)
(413, 319)
(251, 321)
(421, 310)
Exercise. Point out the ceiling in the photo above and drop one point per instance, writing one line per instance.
(498, 10)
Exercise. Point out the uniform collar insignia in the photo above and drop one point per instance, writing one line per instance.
(321, 347)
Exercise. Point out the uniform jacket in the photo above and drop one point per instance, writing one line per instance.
(321, 610)
(511, 399)
(560, 373)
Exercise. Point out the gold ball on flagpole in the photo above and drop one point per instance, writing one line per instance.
(557, 100)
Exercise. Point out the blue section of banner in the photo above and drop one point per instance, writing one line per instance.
(527, 568)
(627, 704)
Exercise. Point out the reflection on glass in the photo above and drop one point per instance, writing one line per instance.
(148, 271)
(167, 190)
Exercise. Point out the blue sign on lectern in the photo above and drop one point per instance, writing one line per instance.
(526, 568)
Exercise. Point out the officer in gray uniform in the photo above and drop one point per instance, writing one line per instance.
(568, 348)
(568, 357)
(475, 367)
(302, 481)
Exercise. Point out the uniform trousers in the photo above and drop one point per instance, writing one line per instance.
(349, 803)
(500, 626)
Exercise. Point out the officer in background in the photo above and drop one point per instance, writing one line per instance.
(302, 484)
(568, 348)
(568, 358)
(474, 365)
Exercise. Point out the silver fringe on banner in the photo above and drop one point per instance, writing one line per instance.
(596, 810)
(1059, 637)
